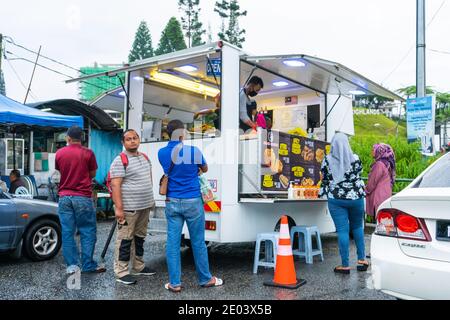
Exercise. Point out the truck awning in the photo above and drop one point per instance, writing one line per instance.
(321, 75)
(155, 61)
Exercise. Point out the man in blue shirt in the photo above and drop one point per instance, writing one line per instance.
(183, 163)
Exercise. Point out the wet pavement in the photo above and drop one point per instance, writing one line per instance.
(23, 279)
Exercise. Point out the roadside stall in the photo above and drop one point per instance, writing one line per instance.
(20, 119)
(255, 176)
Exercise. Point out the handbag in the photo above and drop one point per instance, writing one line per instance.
(164, 181)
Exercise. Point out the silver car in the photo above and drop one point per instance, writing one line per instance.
(29, 226)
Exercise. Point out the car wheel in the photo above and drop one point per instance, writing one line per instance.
(42, 240)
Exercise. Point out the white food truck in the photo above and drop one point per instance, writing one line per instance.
(299, 91)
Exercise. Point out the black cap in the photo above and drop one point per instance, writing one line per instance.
(75, 132)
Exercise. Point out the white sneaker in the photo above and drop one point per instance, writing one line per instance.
(73, 269)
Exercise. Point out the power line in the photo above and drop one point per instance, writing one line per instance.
(412, 47)
(53, 70)
(20, 80)
(11, 41)
(440, 51)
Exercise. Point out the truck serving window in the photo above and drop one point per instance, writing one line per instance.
(187, 90)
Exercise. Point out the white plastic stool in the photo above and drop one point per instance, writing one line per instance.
(271, 248)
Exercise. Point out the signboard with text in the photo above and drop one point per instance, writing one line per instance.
(420, 117)
(290, 158)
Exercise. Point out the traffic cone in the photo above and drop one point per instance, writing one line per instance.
(285, 276)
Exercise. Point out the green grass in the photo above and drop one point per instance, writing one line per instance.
(409, 160)
(377, 125)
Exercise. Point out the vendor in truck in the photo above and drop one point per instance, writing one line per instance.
(247, 106)
(211, 114)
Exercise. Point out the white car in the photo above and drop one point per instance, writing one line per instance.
(410, 247)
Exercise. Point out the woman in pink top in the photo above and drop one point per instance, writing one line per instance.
(381, 177)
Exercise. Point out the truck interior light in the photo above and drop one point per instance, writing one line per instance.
(294, 63)
(280, 83)
(356, 92)
(174, 81)
(187, 68)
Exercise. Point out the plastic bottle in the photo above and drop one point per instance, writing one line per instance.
(291, 191)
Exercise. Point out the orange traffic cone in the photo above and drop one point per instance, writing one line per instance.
(285, 276)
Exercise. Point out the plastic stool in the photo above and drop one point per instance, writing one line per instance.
(307, 252)
(271, 248)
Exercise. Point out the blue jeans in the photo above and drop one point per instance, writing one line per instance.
(348, 215)
(78, 213)
(177, 212)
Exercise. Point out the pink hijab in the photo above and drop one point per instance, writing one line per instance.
(384, 153)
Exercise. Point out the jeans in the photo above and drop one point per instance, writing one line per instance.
(177, 212)
(78, 213)
(348, 215)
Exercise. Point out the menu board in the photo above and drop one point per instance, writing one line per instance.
(289, 158)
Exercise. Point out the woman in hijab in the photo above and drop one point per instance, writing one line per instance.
(342, 184)
(381, 178)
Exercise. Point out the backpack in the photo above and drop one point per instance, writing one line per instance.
(124, 158)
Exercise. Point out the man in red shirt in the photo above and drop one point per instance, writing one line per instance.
(77, 166)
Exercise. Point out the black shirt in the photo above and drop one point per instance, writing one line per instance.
(16, 184)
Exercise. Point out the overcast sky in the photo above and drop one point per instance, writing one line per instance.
(368, 36)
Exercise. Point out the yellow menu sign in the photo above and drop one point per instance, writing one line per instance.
(283, 149)
(298, 171)
(268, 181)
(296, 148)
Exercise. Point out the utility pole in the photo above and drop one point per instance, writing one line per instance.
(420, 50)
(1, 50)
(32, 75)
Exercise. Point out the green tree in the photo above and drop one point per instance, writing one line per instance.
(410, 91)
(172, 38)
(191, 22)
(142, 45)
(2, 84)
(230, 11)
(222, 9)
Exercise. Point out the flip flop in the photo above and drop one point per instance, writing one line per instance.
(217, 282)
(172, 289)
(339, 269)
(362, 266)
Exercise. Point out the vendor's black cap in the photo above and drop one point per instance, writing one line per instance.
(75, 132)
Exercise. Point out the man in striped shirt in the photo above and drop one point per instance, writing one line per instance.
(132, 192)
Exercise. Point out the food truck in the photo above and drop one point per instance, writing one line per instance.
(304, 101)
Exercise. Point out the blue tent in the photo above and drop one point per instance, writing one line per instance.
(13, 113)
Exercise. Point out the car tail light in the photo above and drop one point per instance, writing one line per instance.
(398, 224)
(210, 225)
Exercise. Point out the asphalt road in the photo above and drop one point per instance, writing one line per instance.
(23, 279)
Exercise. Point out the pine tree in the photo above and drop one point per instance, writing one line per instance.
(172, 38)
(222, 9)
(234, 33)
(231, 11)
(142, 45)
(190, 21)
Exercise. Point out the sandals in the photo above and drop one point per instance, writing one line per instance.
(217, 282)
(172, 289)
(362, 266)
(339, 269)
